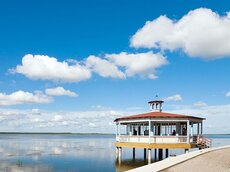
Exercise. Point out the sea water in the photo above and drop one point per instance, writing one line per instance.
(72, 153)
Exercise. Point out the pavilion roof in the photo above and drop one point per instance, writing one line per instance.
(158, 115)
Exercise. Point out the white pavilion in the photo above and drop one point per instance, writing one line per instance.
(159, 130)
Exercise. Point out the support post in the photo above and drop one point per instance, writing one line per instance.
(160, 153)
(117, 152)
(120, 152)
(149, 156)
(166, 153)
(198, 129)
(144, 153)
(119, 155)
(186, 150)
(133, 153)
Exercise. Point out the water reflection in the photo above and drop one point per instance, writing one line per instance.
(56, 153)
(127, 164)
(8, 167)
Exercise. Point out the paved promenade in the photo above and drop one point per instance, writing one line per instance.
(215, 161)
(207, 160)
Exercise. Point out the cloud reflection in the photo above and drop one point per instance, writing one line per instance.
(28, 152)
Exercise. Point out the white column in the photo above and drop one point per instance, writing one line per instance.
(188, 132)
(119, 155)
(177, 128)
(120, 152)
(117, 152)
(119, 131)
(130, 130)
(143, 130)
(149, 131)
(192, 129)
(201, 127)
(149, 156)
(154, 129)
(116, 131)
(160, 130)
(168, 130)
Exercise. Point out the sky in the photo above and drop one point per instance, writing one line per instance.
(75, 66)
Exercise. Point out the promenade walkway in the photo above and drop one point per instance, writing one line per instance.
(214, 161)
(207, 160)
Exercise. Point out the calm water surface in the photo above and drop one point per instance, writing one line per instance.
(71, 153)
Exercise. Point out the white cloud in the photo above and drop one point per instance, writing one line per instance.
(200, 33)
(22, 97)
(200, 104)
(124, 65)
(57, 118)
(37, 120)
(142, 64)
(49, 68)
(100, 107)
(217, 117)
(94, 120)
(120, 66)
(228, 94)
(36, 111)
(175, 98)
(92, 125)
(103, 67)
(60, 91)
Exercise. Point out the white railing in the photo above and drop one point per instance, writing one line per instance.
(203, 141)
(153, 139)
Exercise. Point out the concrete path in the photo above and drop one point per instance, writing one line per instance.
(215, 161)
(207, 160)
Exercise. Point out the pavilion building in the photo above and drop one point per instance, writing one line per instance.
(159, 130)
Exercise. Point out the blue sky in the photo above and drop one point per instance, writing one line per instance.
(109, 62)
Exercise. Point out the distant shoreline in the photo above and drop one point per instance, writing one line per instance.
(70, 133)
(61, 133)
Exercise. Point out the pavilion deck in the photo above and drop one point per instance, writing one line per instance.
(156, 145)
(156, 139)
(156, 142)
